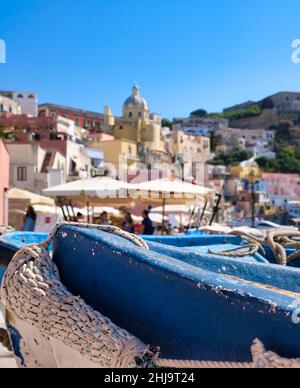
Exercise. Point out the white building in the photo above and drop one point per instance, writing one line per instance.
(294, 209)
(197, 126)
(34, 168)
(27, 101)
(259, 141)
(9, 106)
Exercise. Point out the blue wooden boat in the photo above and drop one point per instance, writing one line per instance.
(10, 243)
(202, 243)
(192, 304)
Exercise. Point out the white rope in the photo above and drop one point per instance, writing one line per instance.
(136, 240)
(278, 240)
(5, 230)
(32, 290)
(261, 360)
(242, 251)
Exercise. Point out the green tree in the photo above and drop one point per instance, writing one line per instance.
(237, 155)
(167, 123)
(251, 111)
(200, 113)
(286, 162)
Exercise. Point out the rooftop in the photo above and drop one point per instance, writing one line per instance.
(76, 111)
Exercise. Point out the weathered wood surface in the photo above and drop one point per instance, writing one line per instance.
(6, 358)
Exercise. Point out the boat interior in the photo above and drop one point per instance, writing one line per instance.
(169, 287)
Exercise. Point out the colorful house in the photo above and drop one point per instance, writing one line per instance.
(282, 188)
(245, 169)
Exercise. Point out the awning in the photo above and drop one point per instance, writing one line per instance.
(32, 198)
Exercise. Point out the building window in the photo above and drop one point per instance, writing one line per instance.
(77, 120)
(130, 115)
(31, 97)
(22, 174)
(121, 127)
(20, 96)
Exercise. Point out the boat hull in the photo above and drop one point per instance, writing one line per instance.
(191, 312)
(12, 242)
(199, 240)
(35, 350)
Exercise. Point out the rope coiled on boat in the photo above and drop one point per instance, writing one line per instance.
(277, 240)
(32, 290)
(242, 251)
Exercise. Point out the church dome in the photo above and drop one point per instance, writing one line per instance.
(136, 101)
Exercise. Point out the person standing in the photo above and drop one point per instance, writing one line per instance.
(147, 224)
(29, 220)
(104, 219)
(128, 224)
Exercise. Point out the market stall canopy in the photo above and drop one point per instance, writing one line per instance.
(175, 209)
(166, 188)
(111, 192)
(31, 198)
(44, 209)
(89, 187)
(96, 191)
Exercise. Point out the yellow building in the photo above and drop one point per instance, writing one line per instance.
(245, 169)
(120, 153)
(140, 126)
(191, 149)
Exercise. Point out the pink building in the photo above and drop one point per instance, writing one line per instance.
(282, 187)
(4, 183)
(283, 184)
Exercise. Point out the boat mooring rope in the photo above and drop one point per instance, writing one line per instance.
(5, 229)
(32, 291)
(242, 251)
(261, 360)
(136, 240)
(278, 240)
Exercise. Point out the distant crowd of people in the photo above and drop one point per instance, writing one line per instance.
(127, 224)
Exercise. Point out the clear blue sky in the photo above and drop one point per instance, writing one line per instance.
(185, 54)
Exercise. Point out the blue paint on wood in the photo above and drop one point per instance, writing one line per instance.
(285, 278)
(198, 241)
(10, 243)
(191, 311)
(2, 271)
(16, 338)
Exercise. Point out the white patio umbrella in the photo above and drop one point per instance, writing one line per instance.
(170, 192)
(95, 187)
(23, 195)
(167, 188)
(93, 192)
(174, 209)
